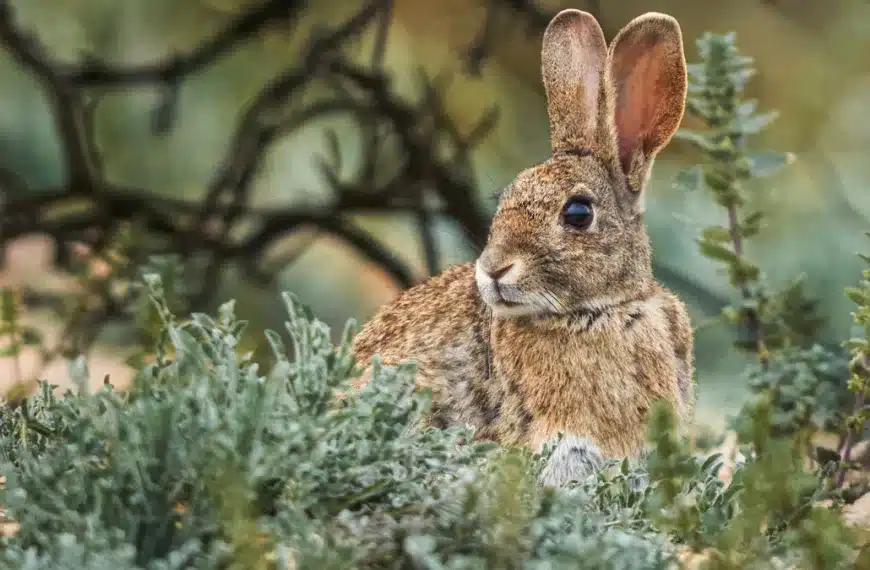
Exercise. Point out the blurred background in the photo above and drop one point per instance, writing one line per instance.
(346, 149)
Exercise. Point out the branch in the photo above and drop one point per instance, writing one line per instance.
(459, 195)
(537, 18)
(292, 221)
(87, 201)
(66, 103)
(242, 28)
(428, 240)
(252, 138)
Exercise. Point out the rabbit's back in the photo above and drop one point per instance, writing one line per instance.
(441, 325)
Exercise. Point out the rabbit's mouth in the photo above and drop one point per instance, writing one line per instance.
(505, 303)
(503, 295)
(507, 309)
(506, 299)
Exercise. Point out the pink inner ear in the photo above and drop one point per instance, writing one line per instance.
(640, 77)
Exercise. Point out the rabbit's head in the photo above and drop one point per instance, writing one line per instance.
(568, 234)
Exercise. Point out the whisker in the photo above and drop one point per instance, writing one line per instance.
(540, 300)
(557, 304)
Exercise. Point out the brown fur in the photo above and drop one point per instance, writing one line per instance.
(574, 335)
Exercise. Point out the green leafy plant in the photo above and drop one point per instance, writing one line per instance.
(105, 287)
(206, 462)
(803, 380)
(859, 371)
(798, 387)
(769, 319)
(16, 336)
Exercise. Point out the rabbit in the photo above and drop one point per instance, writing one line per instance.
(558, 332)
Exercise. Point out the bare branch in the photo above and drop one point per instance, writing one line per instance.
(410, 149)
(241, 29)
(429, 241)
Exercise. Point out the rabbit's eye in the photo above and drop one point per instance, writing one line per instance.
(578, 213)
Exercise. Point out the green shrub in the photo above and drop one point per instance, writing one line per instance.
(207, 462)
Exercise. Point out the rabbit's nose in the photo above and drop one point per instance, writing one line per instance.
(496, 274)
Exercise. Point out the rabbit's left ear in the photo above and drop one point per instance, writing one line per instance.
(647, 90)
(572, 63)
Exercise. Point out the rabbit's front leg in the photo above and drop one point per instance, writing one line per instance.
(574, 459)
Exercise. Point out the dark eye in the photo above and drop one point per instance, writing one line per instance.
(578, 213)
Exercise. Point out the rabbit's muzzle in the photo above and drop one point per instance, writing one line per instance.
(497, 285)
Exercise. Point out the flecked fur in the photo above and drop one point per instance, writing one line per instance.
(578, 337)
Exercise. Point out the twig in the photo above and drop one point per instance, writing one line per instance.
(753, 323)
(845, 450)
(241, 29)
(429, 241)
(223, 223)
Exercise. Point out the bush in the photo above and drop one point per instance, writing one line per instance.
(207, 462)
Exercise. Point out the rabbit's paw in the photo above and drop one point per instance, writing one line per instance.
(574, 459)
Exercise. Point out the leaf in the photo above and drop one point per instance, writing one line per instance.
(9, 351)
(855, 295)
(716, 234)
(8, 306)
(79, 374)
(764, 164)
(277, 345)
(203, 321)
(714, 250)
(187, 348)
(747, 108)
(754, 124)
(135, 361)
(745, 270)
(710, 462)
(698, 139)
(688, 179)
(227, 313)
(751, 224)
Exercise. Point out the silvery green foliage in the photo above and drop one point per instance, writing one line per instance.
(99, 550)
(205, 462)
(807, 388)
(499, 517)
(202, 434)
(32, 426)
(67, 553)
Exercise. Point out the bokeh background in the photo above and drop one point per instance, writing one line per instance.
(812, 68)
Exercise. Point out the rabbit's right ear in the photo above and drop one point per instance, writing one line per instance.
(572, 64)
(647, 72)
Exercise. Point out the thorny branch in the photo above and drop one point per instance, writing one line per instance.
(223, 225)
(88, 206)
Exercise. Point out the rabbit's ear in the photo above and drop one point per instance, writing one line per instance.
(647, 76)
(572, 63)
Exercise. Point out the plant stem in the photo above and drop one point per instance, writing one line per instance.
(753, 323)
(845, 450)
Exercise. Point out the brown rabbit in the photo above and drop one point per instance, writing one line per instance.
(560, 326)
